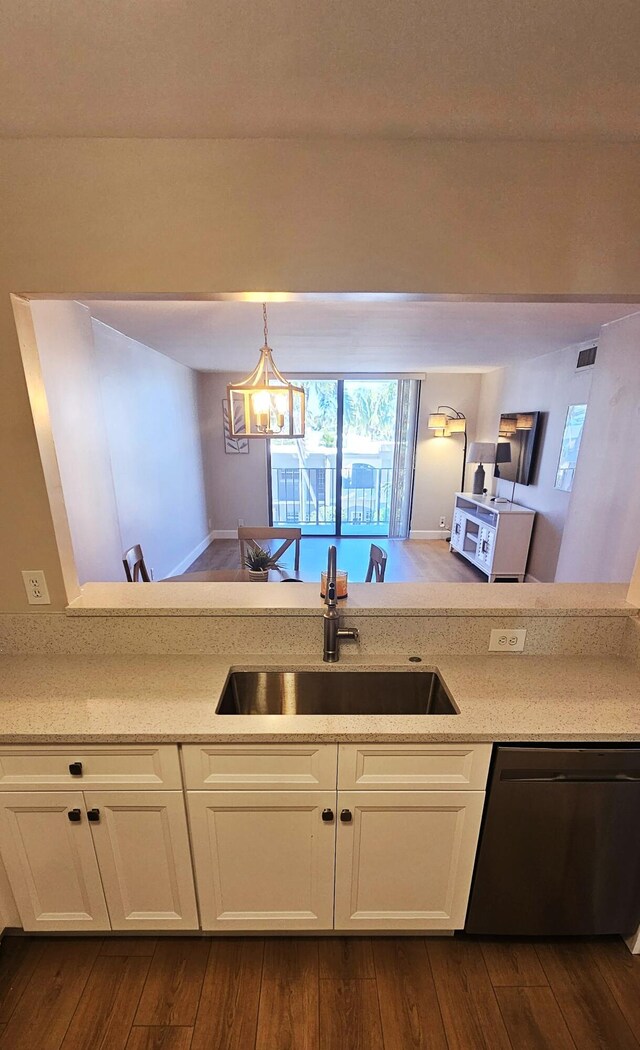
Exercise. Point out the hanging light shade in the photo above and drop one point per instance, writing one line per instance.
(265, 404)
(456, 426)
(437, 421)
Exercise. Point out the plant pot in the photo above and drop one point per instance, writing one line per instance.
(258, 575)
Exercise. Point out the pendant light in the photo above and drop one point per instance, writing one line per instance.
(265, 405)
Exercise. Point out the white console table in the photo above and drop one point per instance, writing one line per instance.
(493, 536)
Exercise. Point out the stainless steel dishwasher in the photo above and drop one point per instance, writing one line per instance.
(559, 848)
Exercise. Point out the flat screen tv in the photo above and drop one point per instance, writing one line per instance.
(516, 447)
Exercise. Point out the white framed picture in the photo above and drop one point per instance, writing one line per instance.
(234, 444)
(570, 447)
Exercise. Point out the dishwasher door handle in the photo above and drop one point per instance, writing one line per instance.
(531, 776)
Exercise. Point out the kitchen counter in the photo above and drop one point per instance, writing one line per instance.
(134, 699)
(397, 599)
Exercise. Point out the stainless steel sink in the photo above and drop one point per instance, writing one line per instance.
(335, 693)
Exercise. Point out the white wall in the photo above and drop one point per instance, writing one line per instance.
(235, 485)
(602, 534)
(69, 369)
(439, 460)
(151, 417)
(547, 384)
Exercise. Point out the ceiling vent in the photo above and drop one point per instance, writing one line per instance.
(586, 358)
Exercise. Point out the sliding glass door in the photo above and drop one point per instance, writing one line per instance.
(368, 429)
(345, 476)
(303, 471)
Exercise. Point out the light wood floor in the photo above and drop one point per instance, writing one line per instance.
(382, 993)
(409, 561)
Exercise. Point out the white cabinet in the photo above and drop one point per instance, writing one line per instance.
(264, 860)
(97, 859)
(397, 859)
(51, 862)
(494, 537)
(405, 859)
(283, 836)
(142, 846)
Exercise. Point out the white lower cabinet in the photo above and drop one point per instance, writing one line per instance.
(283, 837)
(264, 860)
(344, 857)
(51, 862)
(98, 860)
(142, 846)
(404, 859)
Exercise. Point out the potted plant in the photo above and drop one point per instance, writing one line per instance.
(258, 561)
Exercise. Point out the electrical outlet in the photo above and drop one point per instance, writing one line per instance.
(443, 523)
(36, 587)
(507, 641)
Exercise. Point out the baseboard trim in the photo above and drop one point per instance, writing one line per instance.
(528, 578)
(183, 565)
(429, 534)
(224, 534)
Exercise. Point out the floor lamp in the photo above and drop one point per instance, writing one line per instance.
(449, 421)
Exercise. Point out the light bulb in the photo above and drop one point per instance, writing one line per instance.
(260, 402)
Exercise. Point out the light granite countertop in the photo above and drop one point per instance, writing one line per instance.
(397, 599)
(161, 699)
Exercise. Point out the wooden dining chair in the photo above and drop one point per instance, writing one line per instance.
(258, 535)
(377, 564)
(134, 565)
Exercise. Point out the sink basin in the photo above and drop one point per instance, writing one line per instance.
(335, 693)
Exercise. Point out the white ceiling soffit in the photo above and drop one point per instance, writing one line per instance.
(357, 337)
(241, 68)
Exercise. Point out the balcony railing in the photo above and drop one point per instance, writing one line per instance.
(307, 495)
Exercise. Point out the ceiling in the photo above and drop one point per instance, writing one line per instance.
(239, 68)
(334, 336)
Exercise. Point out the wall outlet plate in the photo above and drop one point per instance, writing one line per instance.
(443, 523)
(507, 641)
(35, 585)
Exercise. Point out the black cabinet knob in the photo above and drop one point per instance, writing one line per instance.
(93, 815)
(75, 815)
(346, 816)
(327, 815)
(75, 768)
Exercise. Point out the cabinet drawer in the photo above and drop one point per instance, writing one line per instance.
(247, 766)
(428, 766)
(127, 766)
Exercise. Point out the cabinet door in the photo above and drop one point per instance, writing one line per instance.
(405, 859)
(264, 860)
(457, 530)
(51, 862)
(141, 842)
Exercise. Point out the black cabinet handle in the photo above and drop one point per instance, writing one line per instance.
(75, 768)
(93, 815)
(346, 816)
(327, 815)
(75, 816)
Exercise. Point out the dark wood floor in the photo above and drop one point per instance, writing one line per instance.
(409, 561)
(317, 994)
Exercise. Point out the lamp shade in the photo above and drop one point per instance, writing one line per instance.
(482, 452)
(437, 421)
(503, 452)
(456, 426)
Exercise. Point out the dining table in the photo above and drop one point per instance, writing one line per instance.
(234, 576)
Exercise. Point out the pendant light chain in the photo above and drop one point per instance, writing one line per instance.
(265, 325)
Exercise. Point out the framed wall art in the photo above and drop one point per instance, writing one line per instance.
(234, 445)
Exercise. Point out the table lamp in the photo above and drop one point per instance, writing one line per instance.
(481, 452)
